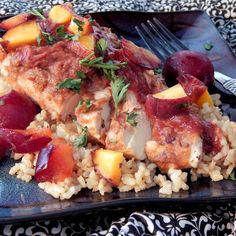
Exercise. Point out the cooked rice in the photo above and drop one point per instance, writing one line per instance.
(136, 175)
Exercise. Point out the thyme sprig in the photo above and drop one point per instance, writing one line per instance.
(37, 12)
(82, 139)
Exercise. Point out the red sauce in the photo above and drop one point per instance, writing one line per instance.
(169, 125)
(166, 108)
(193, 87)
(169, 128)
(211, 137)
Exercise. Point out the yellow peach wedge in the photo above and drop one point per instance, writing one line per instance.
(177, 92)
(173, 92)
(59, 14)
(88, 41)
(23, 34)
(205, 98)
(108, 164)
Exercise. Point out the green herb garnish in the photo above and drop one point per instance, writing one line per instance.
(158, 71)
(119, 89)
(72, 84)
(182, 105)
(232, 176)
(100, 64)
(131, 118)
(102, 46)
(39, 39)
(82, 139)
(60, 31)
(48, 37)
(91, 21)
(208, 46)
(88, 104)
(79, 24)
(38, 12)
(80, 74)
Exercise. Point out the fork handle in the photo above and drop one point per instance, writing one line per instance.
(221, 77)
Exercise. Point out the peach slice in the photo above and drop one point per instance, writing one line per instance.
(15, 20)
(173, 92)
(3, 45)
(177, 91)
(205, 98)
(59, 14)
(87, 26)
(108, 164)
(88, 41)
(23, 34)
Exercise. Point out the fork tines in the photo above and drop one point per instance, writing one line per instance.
(159, 39)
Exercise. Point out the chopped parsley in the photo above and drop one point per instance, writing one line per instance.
(39, 39)
(232, 176)
(119, 89)
(79, 24)
(102, 46)
(38, 12)
(80, 74)
(50, 39)
(72, 84)
(87, 103)
(158, 71)
(182, 105)
(131, 118)
(82, 139)
(208, 46)
(118, 85)
(91, 21)
(60, 32)
(100, 64)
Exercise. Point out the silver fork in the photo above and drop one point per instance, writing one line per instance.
(163, 43)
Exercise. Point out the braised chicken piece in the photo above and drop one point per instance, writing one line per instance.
(94, 112)
(129, 137)
(176, 143)
(36, 71)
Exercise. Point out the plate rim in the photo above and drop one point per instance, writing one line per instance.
(72, 210)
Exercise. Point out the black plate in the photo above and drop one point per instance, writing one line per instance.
(20, 201)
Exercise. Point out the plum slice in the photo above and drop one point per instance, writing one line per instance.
(16, 110)
(4, 148)
(188, 62)
(55, 162)
(23, 141)
(157, 106)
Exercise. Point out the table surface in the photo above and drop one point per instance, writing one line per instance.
(213, 219)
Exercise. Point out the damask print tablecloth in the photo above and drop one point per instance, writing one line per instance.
(207, 220)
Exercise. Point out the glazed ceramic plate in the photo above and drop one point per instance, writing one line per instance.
(25, 201)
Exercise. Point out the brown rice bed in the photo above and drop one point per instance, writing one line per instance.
(136, 175)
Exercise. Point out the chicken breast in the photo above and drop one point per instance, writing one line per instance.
(36, 71)
(126, 138)
(176, 143)
(96, 115)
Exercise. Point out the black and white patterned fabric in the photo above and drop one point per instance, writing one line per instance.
(214, 220)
